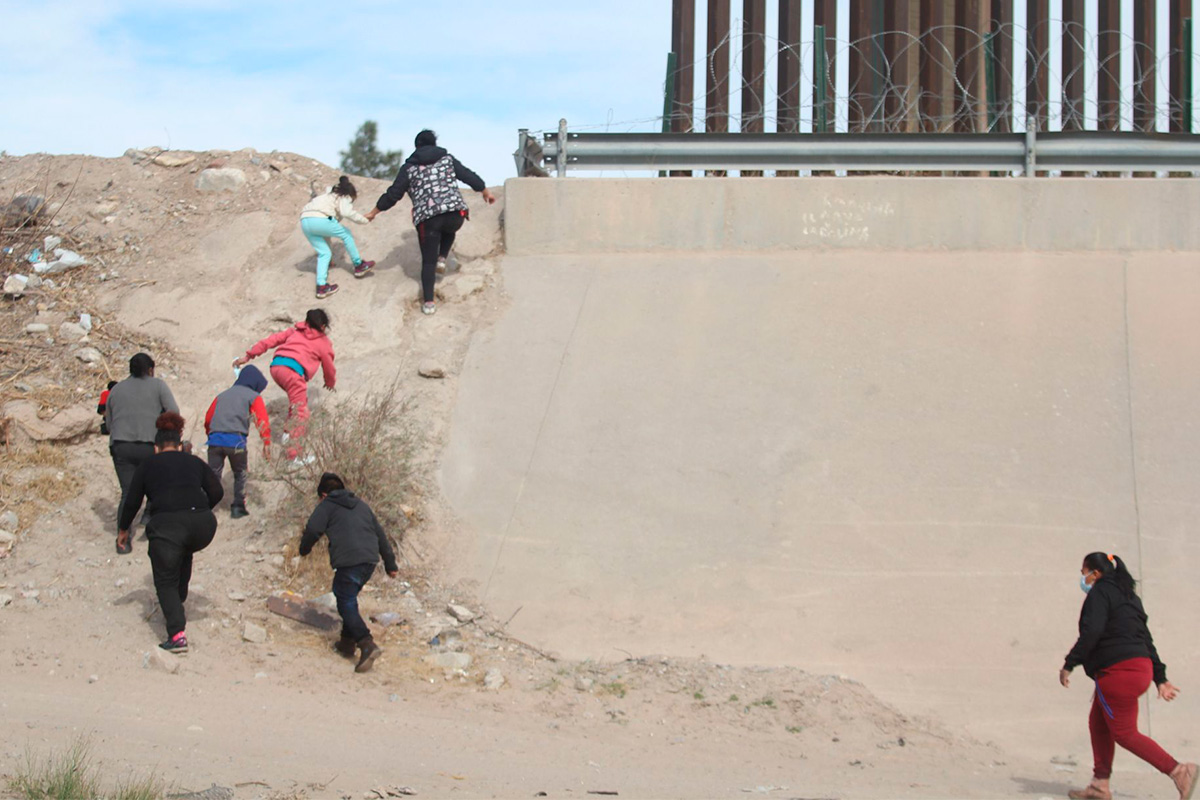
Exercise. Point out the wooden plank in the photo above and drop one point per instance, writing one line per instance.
(295, 607)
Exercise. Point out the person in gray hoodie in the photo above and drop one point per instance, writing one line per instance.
(356, 541)
(227, 424)
(130, 414)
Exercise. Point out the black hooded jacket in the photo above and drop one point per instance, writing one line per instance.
(1112, 628)
(355, 535)
(427, 154)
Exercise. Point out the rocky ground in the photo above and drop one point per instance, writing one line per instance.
(192, 257)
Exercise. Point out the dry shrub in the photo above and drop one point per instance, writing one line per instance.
(370, 443)
(35, 481)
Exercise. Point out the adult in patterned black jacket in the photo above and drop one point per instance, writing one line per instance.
(430, 176)
(1116, 650)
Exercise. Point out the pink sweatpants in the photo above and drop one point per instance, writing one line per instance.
(297, 391)
(1114, 716)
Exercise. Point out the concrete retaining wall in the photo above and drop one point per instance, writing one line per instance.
(549, 216)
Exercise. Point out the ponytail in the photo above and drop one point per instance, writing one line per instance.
(345, 188)
(1112, 566)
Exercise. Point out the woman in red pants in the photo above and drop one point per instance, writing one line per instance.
(299, 351)
(1117, 652)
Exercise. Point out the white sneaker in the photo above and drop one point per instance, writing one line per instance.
(428, 308)
(301, 461)
(441, 266)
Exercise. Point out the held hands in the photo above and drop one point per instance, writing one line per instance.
(1168, 691)
(240, 362)
(1064, 677)
(488, 196)
(372, 214)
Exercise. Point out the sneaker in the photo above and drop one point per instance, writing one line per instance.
(369, 652)
(177, 644)
(325, 290)
(362, 268)
(441, 266)
(428, 308)
(238, 510)
(345, 646)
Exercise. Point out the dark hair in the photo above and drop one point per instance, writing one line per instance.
(345, 188)
(170, 428)
(317, 319)
(329, 482)
(140, 365)
(111, 384)
(425, 138)
(1111, 566)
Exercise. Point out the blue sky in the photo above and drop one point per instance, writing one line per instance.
(100, 76)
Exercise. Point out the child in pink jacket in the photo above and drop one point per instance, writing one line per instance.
(298, 353)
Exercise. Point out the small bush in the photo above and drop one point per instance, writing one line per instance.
(369, 442)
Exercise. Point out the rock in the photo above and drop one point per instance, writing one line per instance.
(93, 678)
(463, 287)
(388, 619)
(236, 596)
(162, 660)
(34, 281)
(326, 600)
(22, 210)
(9, 521)
(228, 179)
(461, 613)
(260, 675)
(169, 160)
(449, 661)
(71, 332)
(102, 210)
(85, 322)
(278, 561)
(447, 639)
(255, 634)
(89, 355)
(15, 285)
(584, 684)
(493, 680)
(26, 429)
(37, 328)
(431, 369)
(5, 600)
(7, 538)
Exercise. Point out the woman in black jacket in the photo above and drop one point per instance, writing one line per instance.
(1116, 650)
(184, 491)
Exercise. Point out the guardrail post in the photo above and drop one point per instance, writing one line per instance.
(560, 165)
(1031, 148)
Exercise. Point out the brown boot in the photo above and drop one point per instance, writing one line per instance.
(1184, 776)
(368, 652)
(345, 646)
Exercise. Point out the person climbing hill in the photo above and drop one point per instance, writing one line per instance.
(227, 424)
(322, 219)
(299, 351)
(430, 176)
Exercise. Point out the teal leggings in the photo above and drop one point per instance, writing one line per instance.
(318, 230)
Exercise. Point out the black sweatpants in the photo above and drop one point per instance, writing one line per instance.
(126, 458)
(174, 537)
(436, 236)
(238, 462)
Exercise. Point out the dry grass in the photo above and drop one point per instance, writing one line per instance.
(35, 481)
(75, 775)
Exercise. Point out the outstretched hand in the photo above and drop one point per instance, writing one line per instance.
(489, 197)
(1064, 677)
(1168, 691)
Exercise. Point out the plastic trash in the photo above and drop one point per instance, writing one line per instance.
(64, 260)
(237, 371)
(51, 242)
(35, 255)
(85, 322)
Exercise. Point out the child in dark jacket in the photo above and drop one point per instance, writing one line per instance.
(102, 406)
(227, 424)
(356, 541)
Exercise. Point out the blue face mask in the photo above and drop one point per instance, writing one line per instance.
(1083, 584)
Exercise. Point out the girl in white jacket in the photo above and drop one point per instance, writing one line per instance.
(321, 219)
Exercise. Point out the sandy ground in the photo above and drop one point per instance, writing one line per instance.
(210, 273)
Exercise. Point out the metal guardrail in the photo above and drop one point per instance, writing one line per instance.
(1087, 151)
